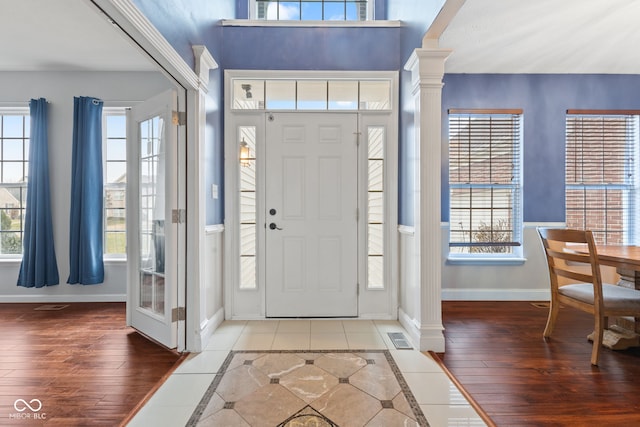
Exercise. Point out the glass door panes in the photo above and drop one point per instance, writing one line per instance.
(248, 94)
(375, 95)
(343, 95)
(311, 94)
(152, 215)
(247, 160)
(375, 207)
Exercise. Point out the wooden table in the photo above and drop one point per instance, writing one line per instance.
(621, 257)
(626, 259)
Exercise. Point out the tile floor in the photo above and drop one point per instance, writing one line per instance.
(173, 404)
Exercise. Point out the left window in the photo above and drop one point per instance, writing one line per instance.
(485, 191)
(14, 164)
(115, 180)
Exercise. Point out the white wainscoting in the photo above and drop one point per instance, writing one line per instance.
(524, 281)
(211, 288)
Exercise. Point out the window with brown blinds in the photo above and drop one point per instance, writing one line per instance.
(601, 174)
(485, 191)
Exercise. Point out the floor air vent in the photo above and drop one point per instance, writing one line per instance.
(398, 339)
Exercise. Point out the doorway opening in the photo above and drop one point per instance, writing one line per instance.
(310, 194)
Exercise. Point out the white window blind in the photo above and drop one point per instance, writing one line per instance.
(485, 214)
(601, 170)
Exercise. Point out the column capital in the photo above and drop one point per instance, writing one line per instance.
(427, 65)
(204, 62)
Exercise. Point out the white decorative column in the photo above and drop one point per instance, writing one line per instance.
(427, 70)
(198, 326)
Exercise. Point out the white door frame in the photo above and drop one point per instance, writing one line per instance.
(250, 303)
(136, 27)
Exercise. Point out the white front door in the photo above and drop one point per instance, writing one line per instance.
(152, 248)
(311, 202)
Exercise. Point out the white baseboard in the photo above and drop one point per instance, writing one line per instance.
(422, 338)
(495, 295)
(207, 328)
(63, 298)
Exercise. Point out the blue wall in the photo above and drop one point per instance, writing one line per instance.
(197, 22)
(311, 48)
(544, 98)
(187, 22)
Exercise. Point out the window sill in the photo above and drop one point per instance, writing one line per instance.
(484, 260)
(342, 24)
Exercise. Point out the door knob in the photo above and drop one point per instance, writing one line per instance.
(273, 226)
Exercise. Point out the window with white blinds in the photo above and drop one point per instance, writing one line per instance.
(485, 191)
(601, 174)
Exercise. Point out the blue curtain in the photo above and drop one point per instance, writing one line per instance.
(85, 238)
(39, 267)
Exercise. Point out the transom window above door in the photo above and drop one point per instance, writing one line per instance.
(311, 94)
(311, 10)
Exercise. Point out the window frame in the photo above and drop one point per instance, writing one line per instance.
(26, 137)
(253, 11)
(515, 187)
(106, 112)
(629, 169)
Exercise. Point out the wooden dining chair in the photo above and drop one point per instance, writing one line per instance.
(576, 281)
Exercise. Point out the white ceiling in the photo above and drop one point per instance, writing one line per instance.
(63, 35)
(487, 36)
(544, 36)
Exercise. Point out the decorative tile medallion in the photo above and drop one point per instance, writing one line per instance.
(323, 388)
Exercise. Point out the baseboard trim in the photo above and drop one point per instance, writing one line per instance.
(495, 295)
(422, 338)
(63, 298)
(207, 328)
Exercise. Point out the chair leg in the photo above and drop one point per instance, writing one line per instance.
(598, 334)
(554, 306)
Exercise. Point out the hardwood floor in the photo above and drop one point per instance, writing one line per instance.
(81, 362)
(496, 351)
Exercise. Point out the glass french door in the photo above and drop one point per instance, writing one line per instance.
(152, 248)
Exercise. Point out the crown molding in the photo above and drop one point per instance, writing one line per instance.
(130, 20)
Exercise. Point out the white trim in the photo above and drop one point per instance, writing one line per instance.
(207, 328)
(44, 298)
(422, 337)
(237, 302)
(462, 259)
(213, 229)
(342, 24)
(495, 294)
(204, 64)
(407, 230)
(150, 41)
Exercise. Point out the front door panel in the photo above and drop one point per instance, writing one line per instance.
(311, 215)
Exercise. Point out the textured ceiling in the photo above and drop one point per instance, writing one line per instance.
(544, 36)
